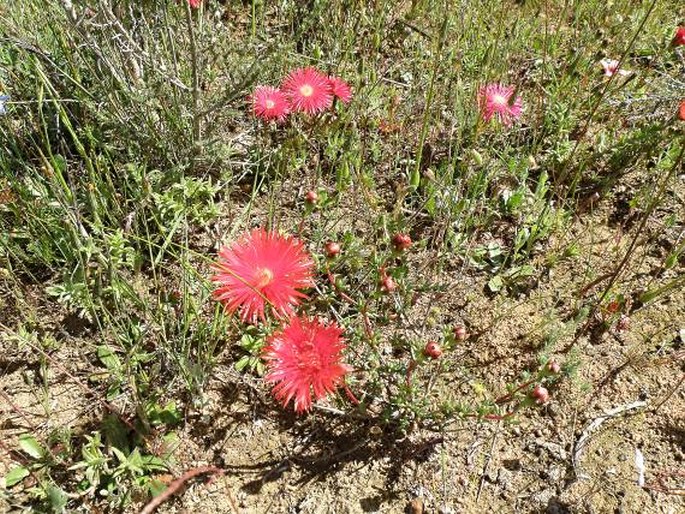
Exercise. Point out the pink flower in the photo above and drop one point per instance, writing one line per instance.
(304, 360)
(341, 89)
(195, 4)
(681, 110)
(679, 38)
(262, 268)
(610, 67)
(496, 99)
(269, 103)
(308, 90)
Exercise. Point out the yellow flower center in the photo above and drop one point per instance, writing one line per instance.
(269, 104)
(499, 100)
(263, 278)
(306, 90)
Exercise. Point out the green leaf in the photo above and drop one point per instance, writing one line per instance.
(168, 415)
(496, 283)
(156, 487)
(31, 446)
(242, 363)
(115, 432)
(16, 475)
(58, 499)
(108, 358)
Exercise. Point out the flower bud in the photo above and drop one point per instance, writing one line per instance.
(332, 249)
(311, 197)
(401, 242)
(460, 333)
(432, 350)
(540, 394)
(387, 283)
(613, 306)
(553, 367)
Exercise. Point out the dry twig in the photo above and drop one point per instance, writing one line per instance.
(177, 484)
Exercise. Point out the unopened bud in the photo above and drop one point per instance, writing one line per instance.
(460, 332)
(553, 367)
(540, 394)
(432, 350)
(401, 242)
(311, 197)
(613, 306)
(332, 249)
(388, 285)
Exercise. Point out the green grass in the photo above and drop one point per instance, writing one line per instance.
(129, 155)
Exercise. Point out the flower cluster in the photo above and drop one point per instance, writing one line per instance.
(305, 90)
(264, 269)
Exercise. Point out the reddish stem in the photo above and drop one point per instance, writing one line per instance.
(509, 395)
(492, 417)
(331, 279)
(410, 370)
(367, 323)
(176, 485)
(350, 395)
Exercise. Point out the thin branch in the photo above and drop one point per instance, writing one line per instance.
(176, 485)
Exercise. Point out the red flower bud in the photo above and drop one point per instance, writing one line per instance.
(681, 110)
(401, 242)
(432, 350)
(540, 394)
(387, 283)
(460, 332)
(332, 249)
(311, 197)
(613, 306)
(553, 367)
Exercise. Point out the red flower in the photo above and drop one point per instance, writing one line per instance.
(308, 90)
(304, 360)
(679, 38)
(262, 268)
(496, 99)
(195, 3)
(341, 89)
(681, 110)
(269, 103)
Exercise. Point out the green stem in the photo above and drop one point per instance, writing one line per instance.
(197, 132)
(415, 178)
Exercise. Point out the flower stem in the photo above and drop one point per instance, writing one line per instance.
(350, 395)
(195, 74)
(508, 396)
